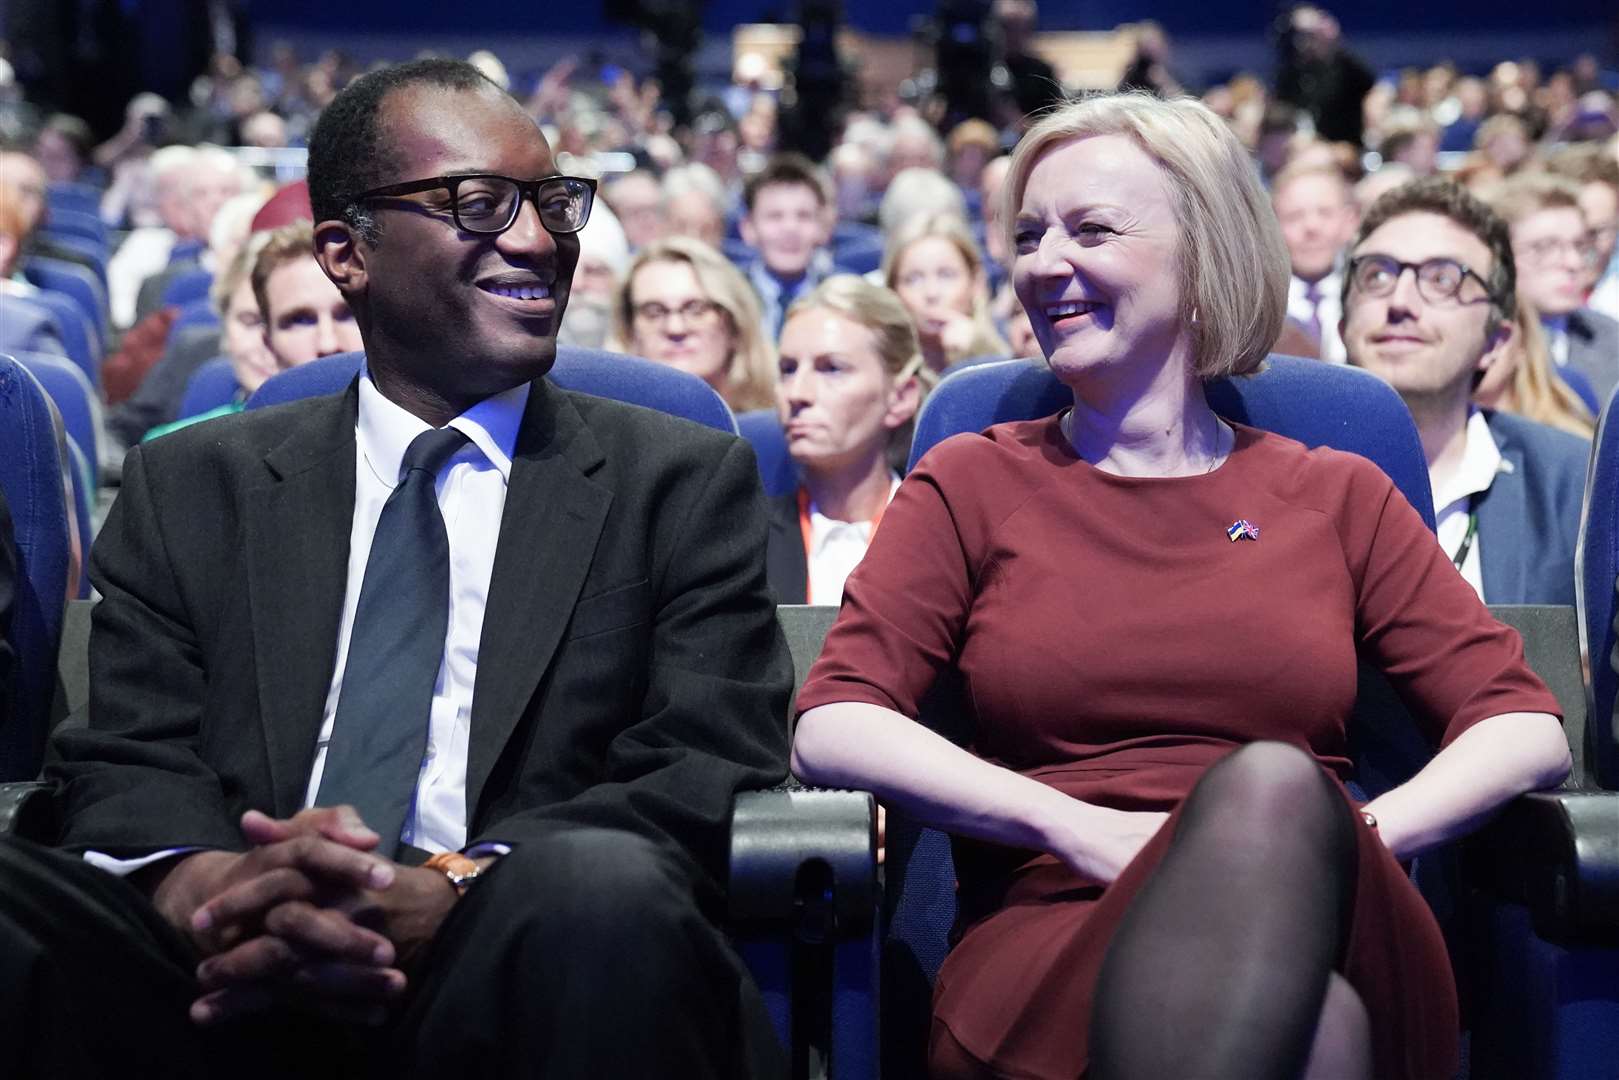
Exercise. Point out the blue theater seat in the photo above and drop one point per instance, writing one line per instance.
(31, 475)
(79, 339)
(75, 281)
(591, 371)
(210, 386)
(76, 402)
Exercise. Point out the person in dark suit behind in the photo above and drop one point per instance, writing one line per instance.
(8, 597)
(550, 672)
(852, 379)
(1507, 491)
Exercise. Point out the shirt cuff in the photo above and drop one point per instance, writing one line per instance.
(487, 848)
(125, 867)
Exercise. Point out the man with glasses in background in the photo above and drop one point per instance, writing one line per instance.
(1557, 259)
(416, 711)
(1428, 306)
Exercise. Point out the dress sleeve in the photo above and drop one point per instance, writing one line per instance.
(1416, 618)
(906, 605)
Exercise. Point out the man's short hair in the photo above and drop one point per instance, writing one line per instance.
(1585, 163)
(788, 169)
(347, 153)
(286, 244)
(1448, 199)
(1297, 170)
(1531, 192)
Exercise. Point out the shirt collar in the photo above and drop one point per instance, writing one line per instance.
(823, 529)
(1327, 287)
(385, 430)
(1481, 460)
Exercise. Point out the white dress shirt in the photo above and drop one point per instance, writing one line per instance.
(1328, 309)
(835, 549)
(1473, 475)
(472, 496)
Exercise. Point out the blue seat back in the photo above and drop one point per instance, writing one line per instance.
(188, 287)
(81, 475)
(31, 476)
(1595, 582)
(75, 401)
(90, 251)
(194, 313)
(79, 339)
(1317, 404)
(762, 429)
(210, 386)
(74, 281)
(76, 221)
(69, 196)
(590, 371)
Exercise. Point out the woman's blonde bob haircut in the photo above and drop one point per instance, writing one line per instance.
(1234, 267)
(750, 375)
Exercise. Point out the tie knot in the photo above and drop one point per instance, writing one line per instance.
(430, 450)
(1312, 291)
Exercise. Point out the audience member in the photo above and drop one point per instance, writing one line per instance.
(694, 198)
(8, 600)
(1375, 185)
(22, 184)
(604, 256)
(1552, 245)
(851, 381)
(1506, 490)
(25, 326)
(229, 228)
(1316, 208)
(627, 677)
(63, 148)
(914, 144)
(918, 191)
(1520, 381)
(1595, 168)
(932, 264)
(638, 202)
(972, 144)
(788, 221)
(1319, 75)
(683, 304)
(1135, 838)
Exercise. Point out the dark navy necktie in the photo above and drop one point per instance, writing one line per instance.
(379, 735)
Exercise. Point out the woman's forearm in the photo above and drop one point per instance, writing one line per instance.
(855, 745)
(1490, 763)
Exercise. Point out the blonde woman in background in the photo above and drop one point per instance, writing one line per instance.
(851, 381)
(932, 264)
(1522, 381)
(685, 305)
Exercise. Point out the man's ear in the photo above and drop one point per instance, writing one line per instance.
(1496, 345)
(342, 256)
(750, 235)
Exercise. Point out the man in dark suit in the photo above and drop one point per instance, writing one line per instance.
(535, 629)
(1428, 305)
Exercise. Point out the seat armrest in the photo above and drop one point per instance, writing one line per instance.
(28, 809)
(805, 859)
(1557, 853)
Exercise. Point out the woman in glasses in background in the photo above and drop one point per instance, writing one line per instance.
(683, 304)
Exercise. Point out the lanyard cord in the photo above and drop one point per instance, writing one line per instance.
(1472, 531)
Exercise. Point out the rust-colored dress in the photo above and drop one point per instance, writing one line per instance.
(1114, 643)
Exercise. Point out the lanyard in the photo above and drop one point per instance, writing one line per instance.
(806, 532)
(1472, 531)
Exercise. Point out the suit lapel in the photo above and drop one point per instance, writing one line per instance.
(553, 518)
(1502, 516)
(785, 563)
(297, 555)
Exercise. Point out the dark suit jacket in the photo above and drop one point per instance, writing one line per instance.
(785, 563)
(8, 596)
(631, 672)
(157, 399)
(1529, 519)
(1593, 348)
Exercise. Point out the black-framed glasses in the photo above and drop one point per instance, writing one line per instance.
(489, 203)
(1438, 280)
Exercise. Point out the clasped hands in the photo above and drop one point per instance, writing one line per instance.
(308, 918)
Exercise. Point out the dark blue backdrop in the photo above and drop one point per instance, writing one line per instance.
(1192, 17)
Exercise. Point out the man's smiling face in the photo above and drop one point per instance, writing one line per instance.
(1420, 347)
(461, 315)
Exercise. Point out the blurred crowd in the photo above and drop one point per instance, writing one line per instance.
(707, 232)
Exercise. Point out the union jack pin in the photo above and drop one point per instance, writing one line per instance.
(1242, 529)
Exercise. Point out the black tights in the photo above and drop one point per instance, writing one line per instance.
(1220, 966)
